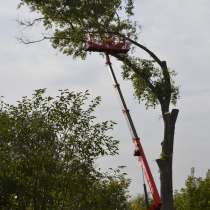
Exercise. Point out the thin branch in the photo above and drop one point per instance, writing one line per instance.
(25, 41)
(118, 17)
(153, 55)
(30, 23)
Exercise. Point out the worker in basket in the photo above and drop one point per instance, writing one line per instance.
(108, 41)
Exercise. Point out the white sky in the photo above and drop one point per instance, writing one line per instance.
(177, 31)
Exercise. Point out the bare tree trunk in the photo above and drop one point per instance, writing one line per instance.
(166, 160)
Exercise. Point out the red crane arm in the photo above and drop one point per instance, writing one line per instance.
(139, 152)
(147, 172)
(114, 45)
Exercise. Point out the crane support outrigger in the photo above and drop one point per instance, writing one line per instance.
(121, 46)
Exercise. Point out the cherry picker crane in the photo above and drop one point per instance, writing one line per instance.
(115, 45)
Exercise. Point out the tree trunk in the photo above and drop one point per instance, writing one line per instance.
(166, 160)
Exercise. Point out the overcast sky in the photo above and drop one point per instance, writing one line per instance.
(177, 31)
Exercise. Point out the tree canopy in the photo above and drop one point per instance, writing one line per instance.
(66, 24)
(69, 21)
(48, 148)
(195, 195)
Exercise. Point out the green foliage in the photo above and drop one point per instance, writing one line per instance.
(138, 203)
(69, 21)
(110, 193)
(195, 195)
(48, 148)
(149, 82)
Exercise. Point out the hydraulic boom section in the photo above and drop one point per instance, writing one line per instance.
(139, 152)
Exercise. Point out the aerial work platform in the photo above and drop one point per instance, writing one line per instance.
(108, 44)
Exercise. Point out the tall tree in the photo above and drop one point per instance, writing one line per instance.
(48, 148)
(68, 22)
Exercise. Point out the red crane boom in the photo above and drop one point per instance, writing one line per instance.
(110, 47)
(139, 152)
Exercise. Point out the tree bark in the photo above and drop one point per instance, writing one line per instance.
(166, 160)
